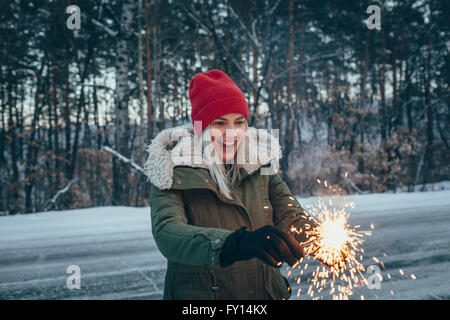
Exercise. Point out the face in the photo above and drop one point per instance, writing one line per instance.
(227, 132)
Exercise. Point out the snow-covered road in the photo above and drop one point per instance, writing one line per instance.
(118, 258)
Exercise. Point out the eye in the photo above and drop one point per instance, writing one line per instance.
(219, 123)
(240, 122)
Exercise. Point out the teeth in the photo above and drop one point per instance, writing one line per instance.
(228, 144)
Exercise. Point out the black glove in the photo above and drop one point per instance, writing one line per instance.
(270, 244)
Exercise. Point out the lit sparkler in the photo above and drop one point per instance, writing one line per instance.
(338, 245)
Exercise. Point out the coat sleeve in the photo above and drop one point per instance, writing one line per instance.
(178, 241)
(287, 211)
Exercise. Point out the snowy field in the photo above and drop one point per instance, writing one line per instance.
(118, 258)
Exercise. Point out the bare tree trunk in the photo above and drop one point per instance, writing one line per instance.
(298, 86)
(364, 83)
(158, 58)
(254, 110)
(96, 119)
(2, 141)
(381, 84)
(67, 123)
(290, 136)
(50, 147)
(395, 104)
(87, 130)
(30, 163)
(14, 178)
(428, 165)
(121, 121)
(73, 158)
(80, 104)
(55, 73)
(149, 71)
(140, 76)
(3, 115)
(337, 110)
(32, 150)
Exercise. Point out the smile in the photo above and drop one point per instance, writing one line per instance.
(224, 144)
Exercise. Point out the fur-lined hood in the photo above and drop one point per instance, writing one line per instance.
(179, 146)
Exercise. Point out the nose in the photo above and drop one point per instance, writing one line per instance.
(230, 125)
(230, 132)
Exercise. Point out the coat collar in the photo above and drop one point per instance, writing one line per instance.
(179, 146)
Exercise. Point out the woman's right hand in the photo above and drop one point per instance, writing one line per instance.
(270, 244)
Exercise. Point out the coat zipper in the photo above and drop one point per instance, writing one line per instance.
(214, 286)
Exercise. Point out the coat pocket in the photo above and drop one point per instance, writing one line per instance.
(191, 283)
(277, 287)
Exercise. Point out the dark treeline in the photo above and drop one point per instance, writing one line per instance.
(366, 110)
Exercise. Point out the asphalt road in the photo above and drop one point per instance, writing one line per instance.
(112, 247)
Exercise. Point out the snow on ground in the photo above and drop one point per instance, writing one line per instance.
(435, 186)
(118, 257)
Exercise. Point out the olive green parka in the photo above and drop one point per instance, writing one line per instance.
(191, 218)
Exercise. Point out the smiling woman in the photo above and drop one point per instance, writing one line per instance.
(221, 224)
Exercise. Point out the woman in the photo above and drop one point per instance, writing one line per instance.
(218, 217)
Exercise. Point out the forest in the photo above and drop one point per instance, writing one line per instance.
(364, 109)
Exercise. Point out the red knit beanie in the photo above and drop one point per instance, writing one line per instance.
(214, 94)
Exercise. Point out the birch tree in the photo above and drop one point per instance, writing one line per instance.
(121, 120)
